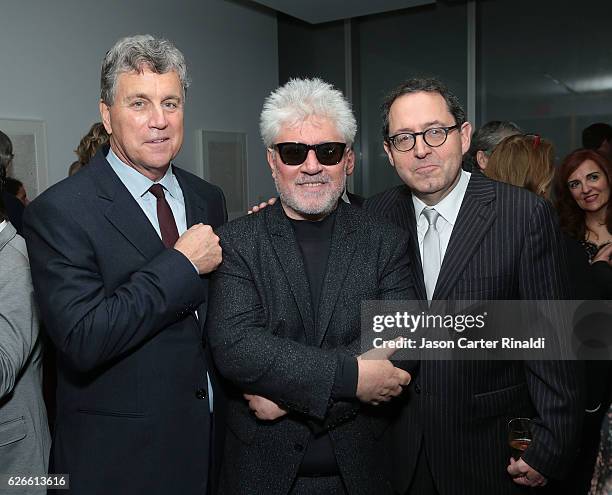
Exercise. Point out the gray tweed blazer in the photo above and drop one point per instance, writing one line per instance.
(24, 432)
(259, 316)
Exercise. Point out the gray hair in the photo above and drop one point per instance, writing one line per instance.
(491, 134)
(419, 85)
(300, 99)
(488, 137)
(135, 53)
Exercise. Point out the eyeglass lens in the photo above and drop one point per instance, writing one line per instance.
(432, 137)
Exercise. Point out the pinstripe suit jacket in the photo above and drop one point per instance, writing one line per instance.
(505, 245)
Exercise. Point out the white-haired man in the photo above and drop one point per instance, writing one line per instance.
(305, 413)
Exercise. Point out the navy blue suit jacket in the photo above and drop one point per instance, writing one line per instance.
(132, 411)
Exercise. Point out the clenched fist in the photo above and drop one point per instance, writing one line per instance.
(201, 246)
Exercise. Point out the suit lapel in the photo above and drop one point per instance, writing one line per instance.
(343, 245)
(122, 211)
(288, 253)
(403, 215)
(475, 218)
(196, 210)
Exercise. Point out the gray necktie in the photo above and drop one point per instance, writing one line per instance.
(431, 252)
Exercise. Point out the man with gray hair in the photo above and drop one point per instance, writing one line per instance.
(485, 139)
(305, 412)
(120, 256)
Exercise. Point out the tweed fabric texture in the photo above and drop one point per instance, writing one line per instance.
(259, 316)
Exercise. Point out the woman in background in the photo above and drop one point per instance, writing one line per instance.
(16, 188)
(582, 197)
(525, 160)
(89, 144)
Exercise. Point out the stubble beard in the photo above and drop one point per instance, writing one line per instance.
(325, 203)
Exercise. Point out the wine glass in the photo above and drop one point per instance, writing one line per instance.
(519, 436)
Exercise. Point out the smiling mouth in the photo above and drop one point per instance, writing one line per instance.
(591, 198)
(157, 141)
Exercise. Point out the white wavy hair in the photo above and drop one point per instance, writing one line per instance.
(300, 99)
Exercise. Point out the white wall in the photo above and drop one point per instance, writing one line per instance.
(51, 52)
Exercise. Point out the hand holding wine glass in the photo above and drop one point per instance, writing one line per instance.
(519, 438)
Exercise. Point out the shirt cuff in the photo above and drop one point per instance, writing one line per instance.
(345, 381)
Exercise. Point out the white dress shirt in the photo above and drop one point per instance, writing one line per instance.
(448, 209)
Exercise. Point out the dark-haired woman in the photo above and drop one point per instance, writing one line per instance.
(582, 192)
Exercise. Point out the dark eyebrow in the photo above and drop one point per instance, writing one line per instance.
(427, 125)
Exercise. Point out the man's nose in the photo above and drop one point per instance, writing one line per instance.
(311, 165)
(421, 148)
(158, 118)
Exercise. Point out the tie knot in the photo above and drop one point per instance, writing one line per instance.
(157, 190)
(431, 215)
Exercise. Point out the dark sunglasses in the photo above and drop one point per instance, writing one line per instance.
(296, 153)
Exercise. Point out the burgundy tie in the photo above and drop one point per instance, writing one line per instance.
(167, 225)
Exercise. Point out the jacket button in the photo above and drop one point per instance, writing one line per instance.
(201, 393)
(417, 388)
(298, 447)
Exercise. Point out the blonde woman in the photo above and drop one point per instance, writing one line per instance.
(525, 160)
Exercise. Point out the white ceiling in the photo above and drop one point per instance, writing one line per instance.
(317, 11)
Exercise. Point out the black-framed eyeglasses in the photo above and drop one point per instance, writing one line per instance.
(296, 153)
(434, 137)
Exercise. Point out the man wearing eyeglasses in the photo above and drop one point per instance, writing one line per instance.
(475, 239)
(306, 411)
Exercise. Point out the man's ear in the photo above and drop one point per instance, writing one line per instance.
(105, 115)
(271, 160)
(389, 154)
(349, 166)
(466, 137)
(482, 158)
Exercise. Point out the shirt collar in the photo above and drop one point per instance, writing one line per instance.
(137, 184)
(449, 207)
(3, 224)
